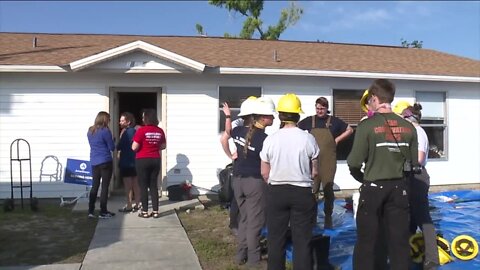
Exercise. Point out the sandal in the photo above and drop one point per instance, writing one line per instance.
(135, 208)
(155, 215)
(125, 210)
(144, 214)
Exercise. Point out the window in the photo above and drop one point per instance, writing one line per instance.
(346, 106)
(234, 96)
(433, 121)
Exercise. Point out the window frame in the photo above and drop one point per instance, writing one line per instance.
(443, 125)
(357, 94)
(234, 110)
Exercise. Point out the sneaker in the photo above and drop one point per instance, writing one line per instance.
(90, 215)
(106, 215)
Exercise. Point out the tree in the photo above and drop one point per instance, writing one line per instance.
(252, 10)
(199, 28)
(414, 44)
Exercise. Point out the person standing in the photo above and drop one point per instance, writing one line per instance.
(289, 163)
(419, 185)
(248, 185)
(328, 132)
(126, 162)
(101, 143)
(148, 141)
(245, 118)
(387, 144)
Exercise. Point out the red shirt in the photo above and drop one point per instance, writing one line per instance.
(150, 138)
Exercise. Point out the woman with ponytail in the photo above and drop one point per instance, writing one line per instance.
(248, 185)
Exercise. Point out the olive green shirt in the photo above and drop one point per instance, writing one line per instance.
(375, 145)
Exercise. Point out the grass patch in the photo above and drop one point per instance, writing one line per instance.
(211, 238)
(51, 235)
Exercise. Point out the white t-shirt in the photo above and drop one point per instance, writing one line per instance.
(290, 152)
(422, 142)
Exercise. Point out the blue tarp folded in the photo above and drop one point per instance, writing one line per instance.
(454, 213)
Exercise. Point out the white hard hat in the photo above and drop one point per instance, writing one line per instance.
(264, 106)
(248, 106)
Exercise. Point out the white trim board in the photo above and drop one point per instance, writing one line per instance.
(137, 45)
(344, 74)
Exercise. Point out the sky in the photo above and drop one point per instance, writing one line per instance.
(448, 26)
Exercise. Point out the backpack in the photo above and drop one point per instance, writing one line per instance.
(225, 194)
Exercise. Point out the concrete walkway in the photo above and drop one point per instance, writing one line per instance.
(127, 241)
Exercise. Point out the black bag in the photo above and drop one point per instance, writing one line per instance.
(178, 193)
(225, 194)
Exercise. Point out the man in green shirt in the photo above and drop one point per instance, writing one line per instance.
(387, 145)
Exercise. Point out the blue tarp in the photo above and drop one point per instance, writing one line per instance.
(454, 213)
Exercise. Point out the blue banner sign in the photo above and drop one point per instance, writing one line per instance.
(78, 172)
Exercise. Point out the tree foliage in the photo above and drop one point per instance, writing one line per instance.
(414, 44)
(252, 10)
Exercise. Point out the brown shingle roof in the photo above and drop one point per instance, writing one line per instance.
(62, 49)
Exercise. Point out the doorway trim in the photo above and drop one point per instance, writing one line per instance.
(115, 118)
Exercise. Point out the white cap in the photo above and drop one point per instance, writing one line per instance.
(247, 106)
(264, 106)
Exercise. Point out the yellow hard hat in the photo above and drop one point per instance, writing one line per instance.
(289, 103)
(443, 250)
(443, 256)
(248, 106)
(400, 106)
(363, 101)
(464, 247)
(417, 247)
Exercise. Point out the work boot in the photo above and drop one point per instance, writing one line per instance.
(328, 222)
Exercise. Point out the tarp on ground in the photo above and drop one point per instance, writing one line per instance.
(454, 213)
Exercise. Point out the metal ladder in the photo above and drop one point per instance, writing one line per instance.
(19, 157)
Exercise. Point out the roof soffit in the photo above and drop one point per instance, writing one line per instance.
(137, 46)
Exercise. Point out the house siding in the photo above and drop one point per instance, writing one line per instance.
(53, 112)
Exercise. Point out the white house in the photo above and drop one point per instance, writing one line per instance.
(53, 85)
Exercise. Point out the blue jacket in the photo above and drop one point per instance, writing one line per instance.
(127, 156)
(101, 146)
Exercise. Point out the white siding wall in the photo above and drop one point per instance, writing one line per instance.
(53, 118)
(53, 112)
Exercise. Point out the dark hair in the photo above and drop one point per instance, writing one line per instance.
(129, 117)
(322, 101)
(101, 121)
(288, 117)
(416, 110)
(150, 117)
(383, 89)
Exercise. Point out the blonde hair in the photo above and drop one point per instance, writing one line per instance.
(101, 121)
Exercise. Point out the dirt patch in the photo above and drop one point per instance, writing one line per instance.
(51, 235)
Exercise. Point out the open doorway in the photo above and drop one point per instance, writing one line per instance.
(133, 100)
(136, 103)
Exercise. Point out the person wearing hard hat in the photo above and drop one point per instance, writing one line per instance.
(245, 118)
(387, 145)
(248, 185)
(419, 185)
(289, 163)
(328, 132)
(364, 105)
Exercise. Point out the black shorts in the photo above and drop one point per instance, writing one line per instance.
(128, 172)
